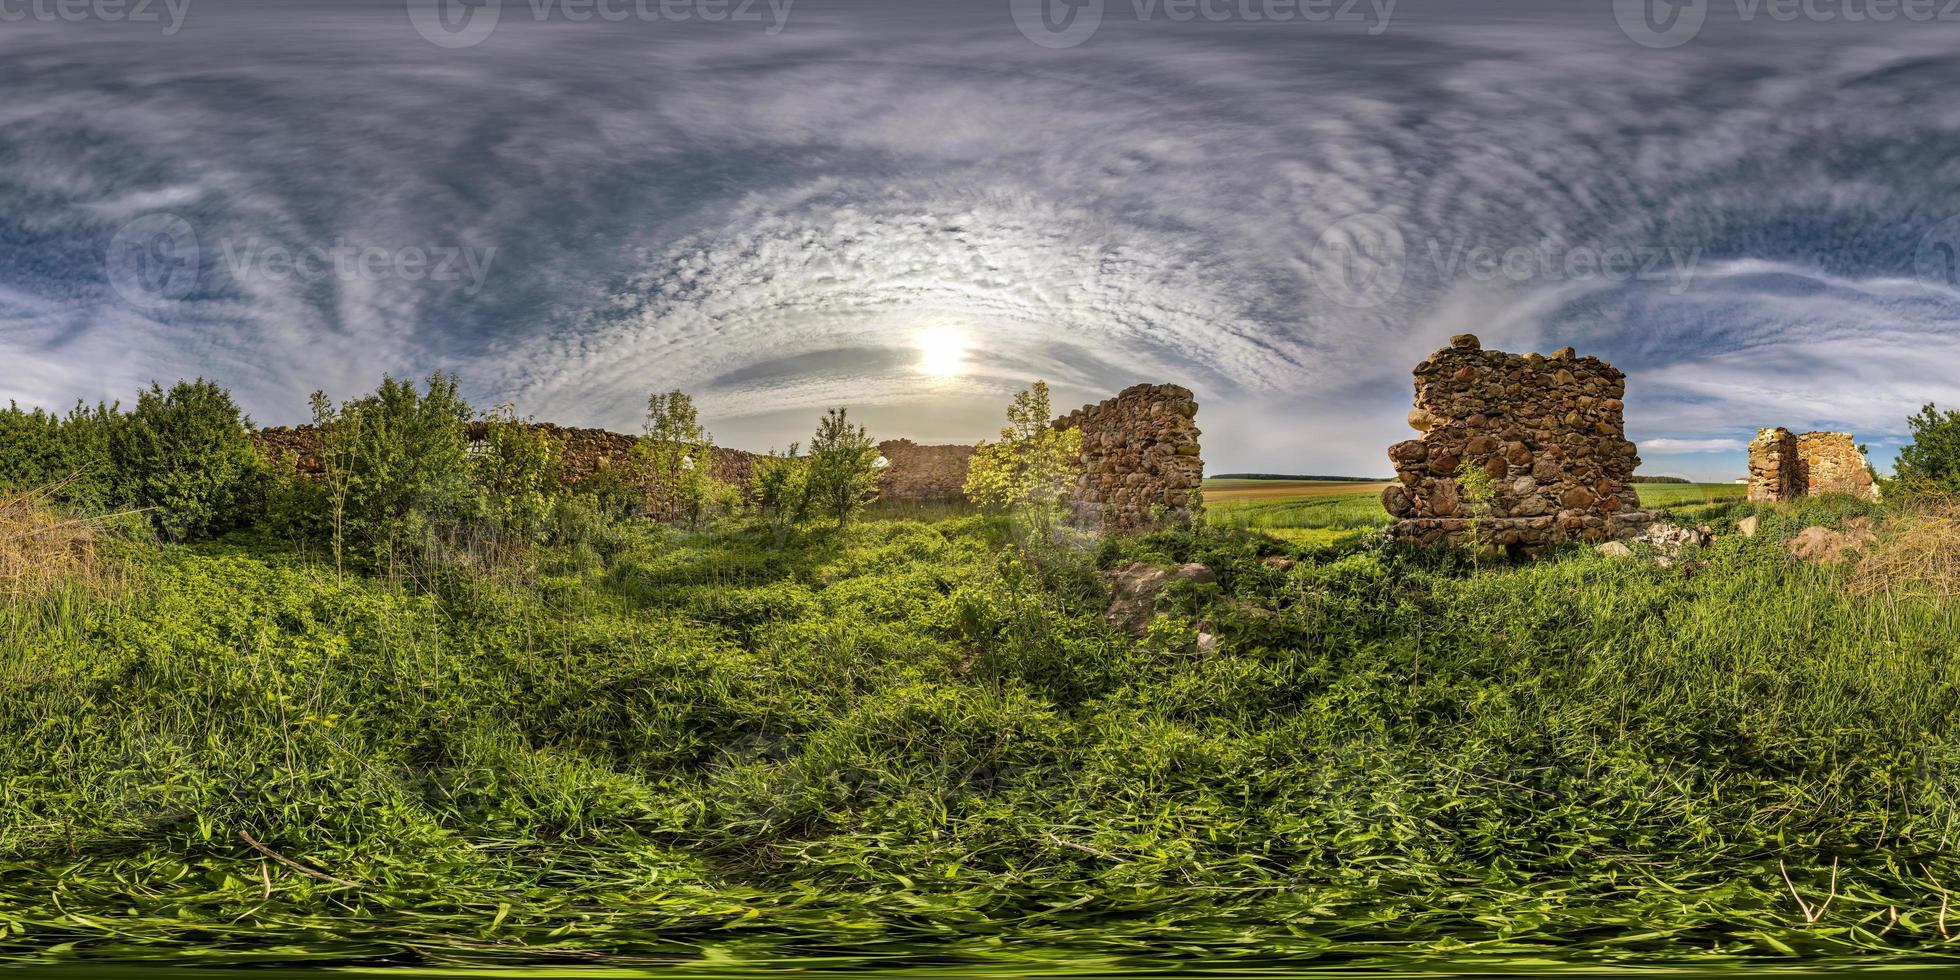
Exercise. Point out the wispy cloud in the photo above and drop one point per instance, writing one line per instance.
(773, 220)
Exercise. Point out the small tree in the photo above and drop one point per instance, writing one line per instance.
(1931, 465)
(515, 468)
(677, 456)
(780, 491)
(339, 432)
(187, 454)
(410, 472)
(843, 467)
(1031, 471)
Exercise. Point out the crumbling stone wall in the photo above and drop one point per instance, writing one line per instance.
(582, 453)
(916, 472)
(1545, 436)
(1140, 458)
(1783, 466)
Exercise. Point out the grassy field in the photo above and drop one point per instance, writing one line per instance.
(911, 744)
(1319, 512)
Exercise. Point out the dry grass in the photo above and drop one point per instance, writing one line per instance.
(1917, 555)
(42, 549)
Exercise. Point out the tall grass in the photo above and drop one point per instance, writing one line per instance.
(904, 745)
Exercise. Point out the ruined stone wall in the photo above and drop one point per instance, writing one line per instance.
(581, 453)
(1546, 436)
(1783, 466)
(1139, 453)
(916, 472)
(1775, 469)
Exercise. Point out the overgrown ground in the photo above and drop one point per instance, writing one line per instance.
(906, 744)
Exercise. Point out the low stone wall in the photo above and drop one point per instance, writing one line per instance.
(916, 472)
(1783, 466)
(581, 454)
(1141, 463)
(1545, 436)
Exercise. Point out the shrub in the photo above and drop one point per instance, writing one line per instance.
(678, 456)
(1033, 467)
(780, 491)
(186, 454)
(515, 467)
(408, 473)
(843, 467)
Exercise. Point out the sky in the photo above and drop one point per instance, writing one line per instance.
(915, 207)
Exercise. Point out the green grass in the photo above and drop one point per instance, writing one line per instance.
(906, 745)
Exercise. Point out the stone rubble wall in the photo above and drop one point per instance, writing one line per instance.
(581, 453)
(1547, 436)
(916, 472)
(1783, 466)
(1141, 464)
(1140, 458)
(1774, 465)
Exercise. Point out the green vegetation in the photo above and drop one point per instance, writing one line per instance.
(1031, 470)
(793, 736)
(1931, 464)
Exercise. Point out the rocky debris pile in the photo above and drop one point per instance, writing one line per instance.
(1823, 546)
(1140, 458)
(916, 472)
(1665, 542)
(1783, 466)
(1517, 451)
(1136, 587)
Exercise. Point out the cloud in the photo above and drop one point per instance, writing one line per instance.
(772, 221)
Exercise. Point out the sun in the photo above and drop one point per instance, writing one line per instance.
(942, 352)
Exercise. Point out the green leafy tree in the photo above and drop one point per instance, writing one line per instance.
(515, 467)
(843, 467)
(186, 455)
(1031, 471)
(780, 491)
(68, 458)
(409, 473)
(677, 455)
(1931, 465)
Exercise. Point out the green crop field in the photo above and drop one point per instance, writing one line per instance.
(1323, 511)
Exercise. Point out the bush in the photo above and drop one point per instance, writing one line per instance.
(407, 472)
(1931, 465)
(1032, 469)
(186, 454)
